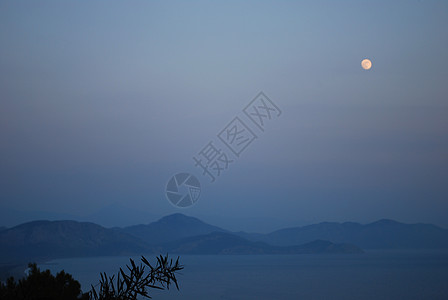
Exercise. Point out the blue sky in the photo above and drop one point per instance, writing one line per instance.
(102, 102)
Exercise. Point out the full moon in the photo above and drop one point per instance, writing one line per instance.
(366, 64)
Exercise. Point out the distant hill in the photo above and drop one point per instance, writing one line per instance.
(39, 240)
(171, 228)
(119, 215)
(112, 215)
(187, 235)
(227, 243)
(12, 217)
(56, 239)
(383, 234)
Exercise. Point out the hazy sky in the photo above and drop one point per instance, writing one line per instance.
(102, 102)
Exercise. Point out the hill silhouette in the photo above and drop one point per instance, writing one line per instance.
(56, 239)
(227, 243)
(170, 228)
(184, 234)
(382, 234)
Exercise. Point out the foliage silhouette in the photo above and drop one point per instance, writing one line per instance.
(42, 285)
(136, 282)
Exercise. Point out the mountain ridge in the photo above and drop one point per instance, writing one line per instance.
(58, 239)
(381, 234)
(68, 238)
(227, 243)
(44, 240)
(171, 227)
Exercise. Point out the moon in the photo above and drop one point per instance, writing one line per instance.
(366, 64)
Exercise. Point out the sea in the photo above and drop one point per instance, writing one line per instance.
(372, 275)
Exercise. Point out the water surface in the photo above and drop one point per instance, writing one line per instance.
(373, 275)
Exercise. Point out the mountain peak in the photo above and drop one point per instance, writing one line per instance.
(179, 218)
(385, 222)
(176, 216)
(171, 227)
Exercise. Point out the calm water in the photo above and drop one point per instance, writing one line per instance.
(374, 275)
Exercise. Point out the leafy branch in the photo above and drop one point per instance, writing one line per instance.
(138, 280)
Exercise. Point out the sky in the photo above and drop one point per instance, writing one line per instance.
(101, 103)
